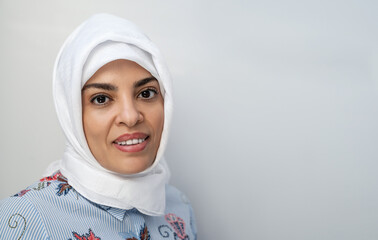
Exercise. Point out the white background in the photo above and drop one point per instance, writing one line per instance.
(275, 129)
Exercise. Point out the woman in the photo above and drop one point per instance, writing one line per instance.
(113, 97)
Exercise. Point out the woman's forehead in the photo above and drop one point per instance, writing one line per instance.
(120, 69)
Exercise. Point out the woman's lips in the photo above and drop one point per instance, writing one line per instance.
(134, 142)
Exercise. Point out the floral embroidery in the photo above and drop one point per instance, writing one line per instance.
(21, 193)
(51, 178)
(42, 185)
(89, 236)
(177, 224)
(43, 182)
(63, 188)
(144, 234)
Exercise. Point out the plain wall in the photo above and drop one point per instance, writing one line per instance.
(276, 108)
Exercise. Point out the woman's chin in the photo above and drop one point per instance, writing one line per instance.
(129, 166)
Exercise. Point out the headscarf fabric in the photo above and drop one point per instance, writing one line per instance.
(101, 39)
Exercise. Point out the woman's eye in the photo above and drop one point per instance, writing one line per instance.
(100, 100)
(147, 94)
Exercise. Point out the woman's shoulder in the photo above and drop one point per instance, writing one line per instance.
(46, 188)
(40, 195)
(20, 218)
(28, 213)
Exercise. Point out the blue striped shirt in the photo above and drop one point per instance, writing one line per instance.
(52, 209)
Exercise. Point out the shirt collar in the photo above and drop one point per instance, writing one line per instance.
(115, 212)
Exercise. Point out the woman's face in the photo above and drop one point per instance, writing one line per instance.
(123, 116)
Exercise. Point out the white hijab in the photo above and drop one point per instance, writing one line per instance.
(99, 40)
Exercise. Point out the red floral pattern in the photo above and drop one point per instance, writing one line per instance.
(88, 236)
(144, 234)
(51, 178)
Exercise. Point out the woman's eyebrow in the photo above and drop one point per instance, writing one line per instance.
(104, 86)
(144, 81)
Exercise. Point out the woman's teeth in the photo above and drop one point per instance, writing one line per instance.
(131, 142)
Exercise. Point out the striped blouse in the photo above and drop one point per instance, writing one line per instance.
(52, 209)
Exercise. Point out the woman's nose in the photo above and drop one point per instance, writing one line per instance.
(128, 114)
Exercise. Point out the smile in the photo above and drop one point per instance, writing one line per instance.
(131, 142)
(134, 142)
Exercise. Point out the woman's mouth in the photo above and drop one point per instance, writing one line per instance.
(134, 142)
(131, 141)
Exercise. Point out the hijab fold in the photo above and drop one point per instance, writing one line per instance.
(101, 39)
